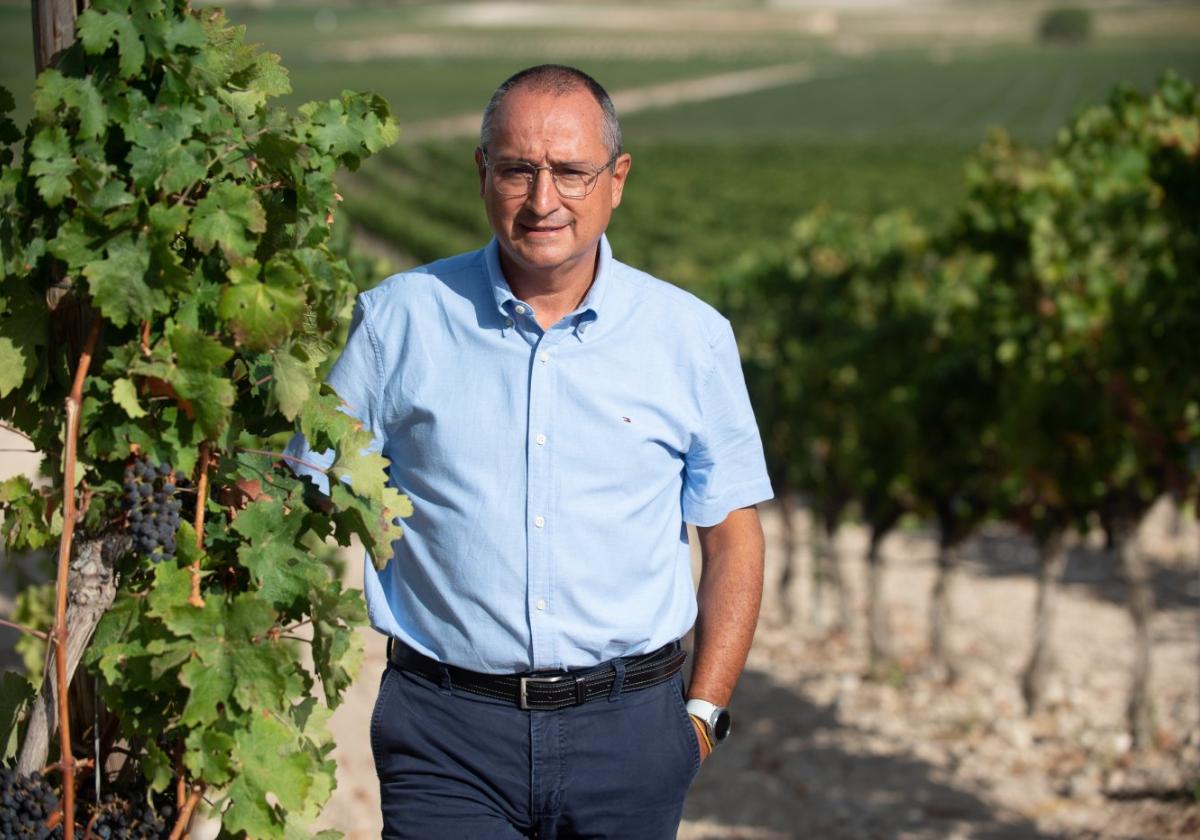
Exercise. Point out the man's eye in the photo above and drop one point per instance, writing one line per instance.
(571, 172)
(514, 171)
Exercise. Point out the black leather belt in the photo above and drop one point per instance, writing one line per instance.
(547, 691)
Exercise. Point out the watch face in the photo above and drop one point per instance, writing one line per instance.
(722, 724)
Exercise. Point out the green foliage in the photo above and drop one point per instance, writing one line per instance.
(157, 193)
(1098, 252)
(1065, 25)
(830, 328)
(1033, 358)
(34, 608)
(15, 694)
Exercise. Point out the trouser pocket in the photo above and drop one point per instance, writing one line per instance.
(685, 722)
(382, 713)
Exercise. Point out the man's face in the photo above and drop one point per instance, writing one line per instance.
(543, 232)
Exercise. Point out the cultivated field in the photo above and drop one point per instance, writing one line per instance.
(740, 116)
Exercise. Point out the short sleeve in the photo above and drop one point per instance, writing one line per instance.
(355, 378)
(724, 468)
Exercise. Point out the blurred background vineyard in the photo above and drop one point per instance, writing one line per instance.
(882, 102)
(818, 168)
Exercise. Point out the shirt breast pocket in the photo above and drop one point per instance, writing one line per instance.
(624, 440)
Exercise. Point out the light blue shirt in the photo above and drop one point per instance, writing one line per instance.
(551, 471)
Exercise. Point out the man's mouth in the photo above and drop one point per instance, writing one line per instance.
(543, 229)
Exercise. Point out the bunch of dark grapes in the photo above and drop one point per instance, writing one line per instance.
(152, 507)
(26, 802)
(138, 820)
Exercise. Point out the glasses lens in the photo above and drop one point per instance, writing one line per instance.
(512, 178)
(573, 183)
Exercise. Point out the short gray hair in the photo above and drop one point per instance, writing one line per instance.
(558, 79)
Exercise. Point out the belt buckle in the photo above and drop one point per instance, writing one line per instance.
(523, 701)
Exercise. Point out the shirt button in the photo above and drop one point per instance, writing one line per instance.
(539, 521)
(508, 322)
(520, 309)
(541, 603)
(544, 357)
(541, 439)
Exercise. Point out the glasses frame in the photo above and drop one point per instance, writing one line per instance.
(591, 184)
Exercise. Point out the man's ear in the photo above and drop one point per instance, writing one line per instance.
(481, 168)
(620, 173)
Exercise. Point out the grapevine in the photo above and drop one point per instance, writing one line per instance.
(169, 265)
(1030, 361)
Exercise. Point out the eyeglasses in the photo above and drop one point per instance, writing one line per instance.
(514, 178)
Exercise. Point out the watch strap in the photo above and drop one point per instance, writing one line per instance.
(702, 709)
(708, 714)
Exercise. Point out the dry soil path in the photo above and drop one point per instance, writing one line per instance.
(633, 100)
(821, 752)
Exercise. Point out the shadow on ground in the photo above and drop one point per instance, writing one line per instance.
(792, 769)
(1000, 554)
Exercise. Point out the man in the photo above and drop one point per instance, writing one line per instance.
(556, 417)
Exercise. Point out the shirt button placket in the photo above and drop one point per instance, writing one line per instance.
(540, 469)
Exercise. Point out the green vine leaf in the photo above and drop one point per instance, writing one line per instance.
(293, 383)
(226, 217)
(262, 315)
(284, 570)
(209, 754)
(268, 761)
(97, 30)
(125, 395)
(54, 90)
(118, 282)
(16, 692)
(198, 378)
(25, 515)
(13, 366)
(53, 164)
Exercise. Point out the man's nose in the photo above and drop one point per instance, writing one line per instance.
(543, 196)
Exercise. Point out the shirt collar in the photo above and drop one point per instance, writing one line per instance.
(588, 310)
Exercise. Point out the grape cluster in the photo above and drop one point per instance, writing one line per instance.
(138, 820)
(26, 802)
(152, 507)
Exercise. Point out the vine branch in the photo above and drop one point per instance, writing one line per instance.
(185, 815)
(45, 637)
(250, 386)
(195, 599)
(285, 457)
(8, 427)
(73, 404)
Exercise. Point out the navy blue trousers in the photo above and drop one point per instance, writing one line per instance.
(460, 766)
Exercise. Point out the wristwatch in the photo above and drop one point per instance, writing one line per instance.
(715, 718)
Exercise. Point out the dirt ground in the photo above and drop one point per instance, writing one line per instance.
(818, 751)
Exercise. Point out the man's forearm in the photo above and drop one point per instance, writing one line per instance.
(729, 596)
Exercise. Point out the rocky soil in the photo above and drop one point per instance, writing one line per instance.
(819, 751)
